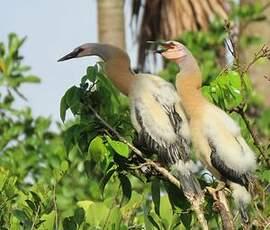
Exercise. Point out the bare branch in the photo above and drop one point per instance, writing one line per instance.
(221, 205)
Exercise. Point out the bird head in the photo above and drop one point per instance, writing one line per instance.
(172, 50)
(81, 51)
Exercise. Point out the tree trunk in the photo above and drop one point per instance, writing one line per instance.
(111, 25)
(260, 69)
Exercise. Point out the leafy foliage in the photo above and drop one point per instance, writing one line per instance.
(31, 154)
(83, 177)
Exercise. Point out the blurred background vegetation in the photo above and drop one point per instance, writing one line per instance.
(81, 176)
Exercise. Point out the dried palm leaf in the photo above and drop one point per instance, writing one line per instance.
(168, 19)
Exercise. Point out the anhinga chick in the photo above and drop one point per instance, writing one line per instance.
(155, 109)
(216, 137)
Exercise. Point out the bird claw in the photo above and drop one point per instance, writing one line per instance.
(214, 191)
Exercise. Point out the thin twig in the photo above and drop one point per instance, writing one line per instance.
(35, 218)
(111, 208)
(256, 142)
(264, 52)
(139, 166)
(195, 202)
(55, 206)
(254, 19)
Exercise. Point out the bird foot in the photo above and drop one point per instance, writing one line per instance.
(214, 191)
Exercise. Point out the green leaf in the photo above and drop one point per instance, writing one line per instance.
(85, 204)
(20, 215)
(60, 171)
(3, 178)
(71, 136)
(105, 179)
(79, 215)
(107, 84)
(119, 147)
(48, 221)
(186, 220)
(63, 108)
(115, 218)
(69, 223)
(166, 211)
(265, 175)
(31, 205)
(247, 83)
(73, 99)
(36, 197)
(126, 189)
(176, 221)
(176, 196)
(153, 222)
(31, 79)
(92, 73)
(155, 189)
(97, 150)
(94, 190)
(96, 212)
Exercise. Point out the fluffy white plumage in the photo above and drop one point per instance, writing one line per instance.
(157, 101)
(216, 137)
(148, 94)
(225, 134)
(240, 194)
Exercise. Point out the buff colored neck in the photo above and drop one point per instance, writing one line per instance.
(188, 85)
(117, 65)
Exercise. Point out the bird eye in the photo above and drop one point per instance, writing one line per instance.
(78, 50)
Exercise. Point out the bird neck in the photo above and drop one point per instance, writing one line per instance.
(117, 65)
(188, 85)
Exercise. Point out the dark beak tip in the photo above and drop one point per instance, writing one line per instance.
(159, 51)
(63, 58)
(68, 56)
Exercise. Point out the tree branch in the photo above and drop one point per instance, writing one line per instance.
(194, 201)
(221, 205)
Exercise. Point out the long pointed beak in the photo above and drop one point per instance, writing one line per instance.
(71, 55)
(159, 43)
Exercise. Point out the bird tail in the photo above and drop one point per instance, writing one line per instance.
(243, 212)
(189, 183)
(242, 198)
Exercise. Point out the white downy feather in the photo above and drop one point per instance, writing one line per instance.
(226, 137)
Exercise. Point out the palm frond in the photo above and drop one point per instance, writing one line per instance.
(168, 19)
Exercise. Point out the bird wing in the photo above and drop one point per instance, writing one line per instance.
(230, 154)
(242, 178)
(154, 104)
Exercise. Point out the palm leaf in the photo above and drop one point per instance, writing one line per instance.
(168, 19)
